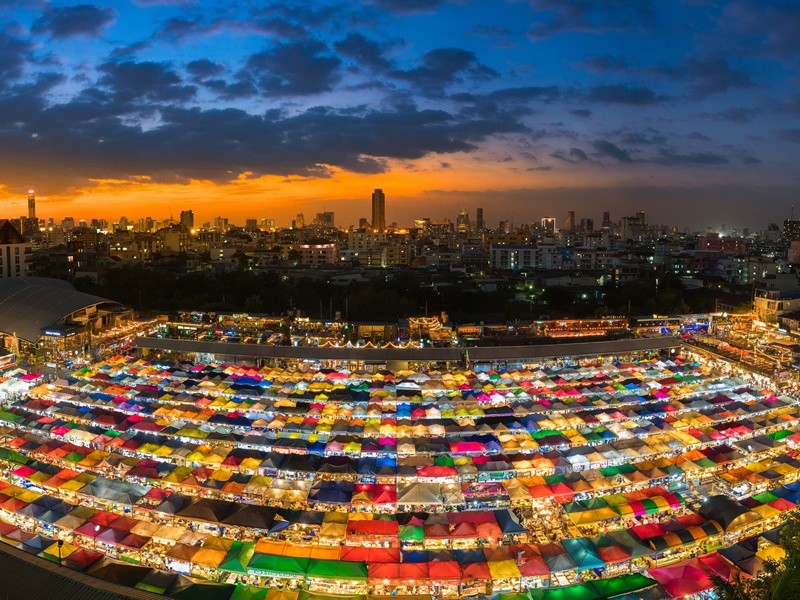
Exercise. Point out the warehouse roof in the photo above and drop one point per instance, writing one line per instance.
(29, 304)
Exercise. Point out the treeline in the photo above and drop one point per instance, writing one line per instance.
(385, 297)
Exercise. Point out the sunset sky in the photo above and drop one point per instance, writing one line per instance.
(687, 109)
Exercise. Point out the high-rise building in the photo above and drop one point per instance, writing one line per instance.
(480, 224)
(570, 224)
(324, 219)
(31, 205)
(68, 223)
(221, 224)
(462, 221)
(12, 251)
(606, 220)
(378, 210)
(251, 224)
(791, 230)
(187, 219)
(587, 225)
(299, 221)
(548, 225)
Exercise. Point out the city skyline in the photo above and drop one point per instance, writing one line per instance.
(688, 111)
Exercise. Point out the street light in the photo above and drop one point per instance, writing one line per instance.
(60, 543)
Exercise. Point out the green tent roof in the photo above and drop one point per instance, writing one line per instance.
(238, 558)
(269, 565)
(334, 569)
(411, 533)
(248, 592)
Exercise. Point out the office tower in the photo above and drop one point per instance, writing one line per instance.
(324, 219)
(642, 217)
(587, 225)
(791, 230)
(548, 225)
(462, 221)
(570, 224)
(68, 223)
(606, 220)
(378, 210)
(221, 223)
(480, 225)
(299, 221)
(251, 224)
(187, 219)
(31, 205)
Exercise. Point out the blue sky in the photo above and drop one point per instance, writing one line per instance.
(688, 109)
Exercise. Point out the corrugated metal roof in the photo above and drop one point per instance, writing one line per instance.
(25, 577)
(28, 304)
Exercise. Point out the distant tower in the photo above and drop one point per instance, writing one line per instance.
(479, 223)
(378, 210)
(462, 221)
(187, 219)
(300, 221)
(606, 220)
(548, 225)
(31, 205)
(570, 224)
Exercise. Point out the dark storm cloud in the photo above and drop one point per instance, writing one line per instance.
(294, 69)
(130, 81)
(623, 94)
(575, 155)
(766, 28)
(92, 136)
(788, 135)
(604, 148)
(557, 16)
(604, 63)
(71, 21)
(204, 69)
(366, 52)
(236, 90)
(583, 113)
(670, 157)
(281, 28)
(706, 75)
(177, 29)
(14, 54)
(443, 66)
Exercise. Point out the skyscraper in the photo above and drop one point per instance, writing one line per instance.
(480, 225)
(378, 210)
(31, 205)
(324, 219)
(187, 219)
(606, 220)
(570, 224)
(462, 221)
(548, 225)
